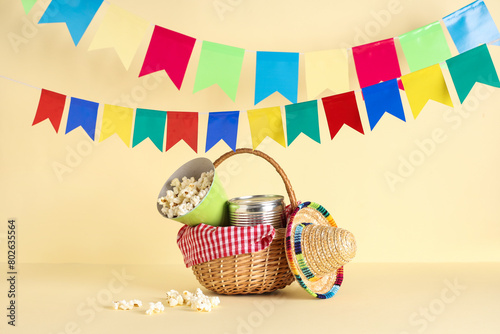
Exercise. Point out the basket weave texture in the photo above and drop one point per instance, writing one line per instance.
(252, 273)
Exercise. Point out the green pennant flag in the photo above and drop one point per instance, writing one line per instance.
(302, 118)
(425, 46)
(470, 67)
(219, 64)
(28, 4)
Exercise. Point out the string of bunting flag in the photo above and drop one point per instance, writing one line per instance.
(377, 66)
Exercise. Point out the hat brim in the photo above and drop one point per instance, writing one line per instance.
(310, 213)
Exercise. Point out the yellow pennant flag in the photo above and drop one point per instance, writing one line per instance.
(266, 122)
(424, 85)
(327, 69)
(121, 30)
(117, 120)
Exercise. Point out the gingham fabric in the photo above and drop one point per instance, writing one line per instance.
(203, 242)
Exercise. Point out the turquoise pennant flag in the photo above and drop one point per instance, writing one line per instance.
(82, 113)
(219, 64)
(76, 14)
(149, 124)
(383, 98)
(222, 126)
(470, 67)
(276, 72)
(471, 26)
(302, 118)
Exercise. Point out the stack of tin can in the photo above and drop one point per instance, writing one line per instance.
(257, 209)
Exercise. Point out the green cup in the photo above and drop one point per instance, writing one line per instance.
(212, 210)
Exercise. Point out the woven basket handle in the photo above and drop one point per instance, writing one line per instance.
(288, 186)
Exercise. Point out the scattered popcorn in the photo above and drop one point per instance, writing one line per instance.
(215, 301)
(187, 297)
(185, 195)
(137, 303)
(174, 298)
(173, 302)
(155, 308)
(126, 305)
(199, 302)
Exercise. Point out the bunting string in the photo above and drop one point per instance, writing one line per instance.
(220, 64)
(377, 67)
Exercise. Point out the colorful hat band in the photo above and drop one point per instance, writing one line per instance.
(295, 241)
(301, 259)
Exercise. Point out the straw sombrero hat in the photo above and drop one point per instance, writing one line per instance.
(317, 249)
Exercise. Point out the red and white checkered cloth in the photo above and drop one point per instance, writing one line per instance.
(203, 242)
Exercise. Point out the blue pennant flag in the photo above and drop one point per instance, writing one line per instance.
(82, 113)
(222, 125)
(471, 26)
(76, 14)
(276, 72)
(383, 98)
(149, 124)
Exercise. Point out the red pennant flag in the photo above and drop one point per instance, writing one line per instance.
(182, 125)
(342, 109)
(170, 51)
(51, 106)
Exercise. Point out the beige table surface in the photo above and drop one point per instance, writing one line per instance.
(374, 298)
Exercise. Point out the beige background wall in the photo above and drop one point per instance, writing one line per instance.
(102, 208)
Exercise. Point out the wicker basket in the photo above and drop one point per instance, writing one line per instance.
(252, 273)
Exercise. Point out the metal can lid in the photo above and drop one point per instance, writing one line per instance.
(256, 200)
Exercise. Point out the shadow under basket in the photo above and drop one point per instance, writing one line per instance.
(251, 273)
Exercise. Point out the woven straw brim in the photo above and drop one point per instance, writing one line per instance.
(311, 213)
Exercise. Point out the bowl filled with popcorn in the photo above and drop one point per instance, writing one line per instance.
(193, 194)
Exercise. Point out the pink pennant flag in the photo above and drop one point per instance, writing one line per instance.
(170, 51)
(376, 62)
(50, 106)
